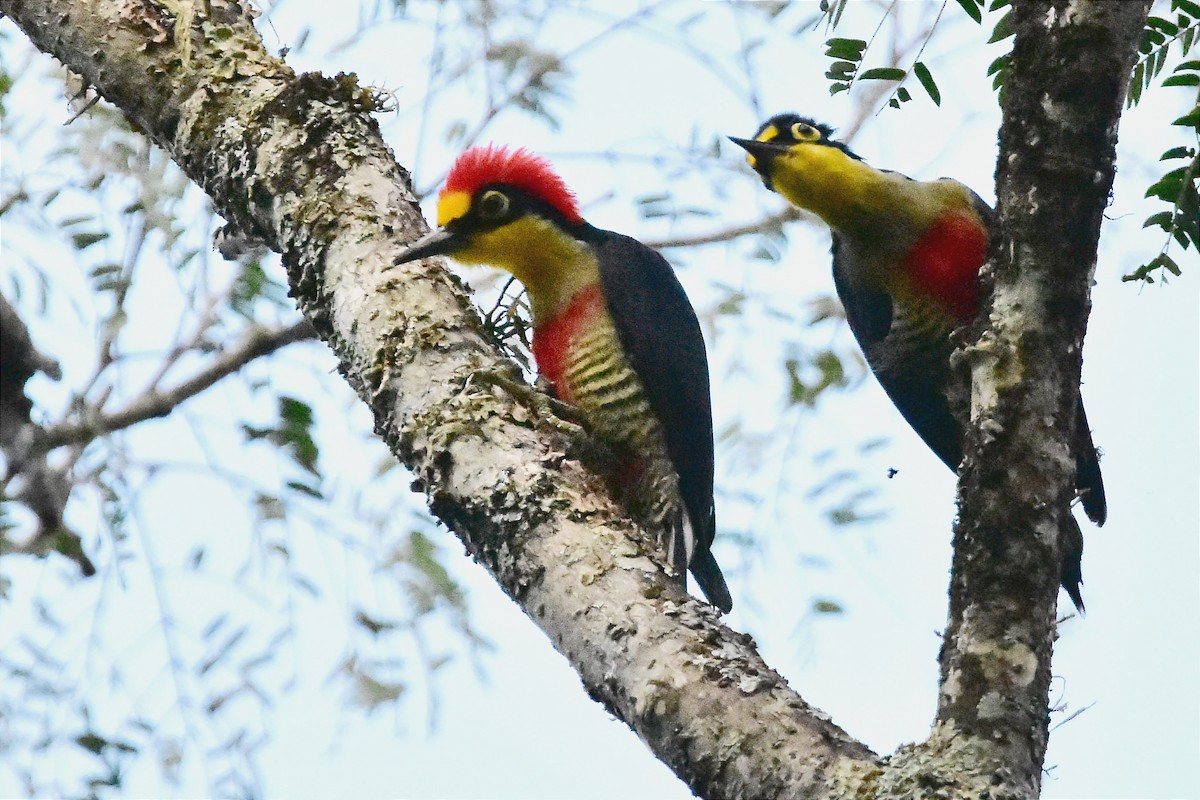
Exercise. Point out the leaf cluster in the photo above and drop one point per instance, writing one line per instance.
(1179, 189)
(847, 68)
(1158, 37)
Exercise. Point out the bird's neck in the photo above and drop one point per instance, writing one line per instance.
(551, 263)
(921, 241)
(854, 198)
(554, 335)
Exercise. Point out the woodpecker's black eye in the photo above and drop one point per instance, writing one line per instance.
(493, 205)
(803, 132)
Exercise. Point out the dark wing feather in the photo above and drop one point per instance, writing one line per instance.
(914, 370)
(911, 370)
(1088, 480)
(661, 338)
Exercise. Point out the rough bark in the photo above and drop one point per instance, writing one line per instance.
(1062, 100)
(297, 161)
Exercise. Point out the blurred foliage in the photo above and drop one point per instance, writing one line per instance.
(108, 255)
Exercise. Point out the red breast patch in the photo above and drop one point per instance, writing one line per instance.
(945, 262)
(552, 339)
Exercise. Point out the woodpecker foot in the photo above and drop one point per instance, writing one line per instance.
(563, 417)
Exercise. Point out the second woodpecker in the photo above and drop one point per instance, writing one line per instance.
(906, 262)
(613, 333)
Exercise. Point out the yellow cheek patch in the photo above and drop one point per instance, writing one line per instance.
(451, 206)
(768, 134)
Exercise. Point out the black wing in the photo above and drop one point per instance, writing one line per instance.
(661, 337)
(911, 368)
(1088, 480)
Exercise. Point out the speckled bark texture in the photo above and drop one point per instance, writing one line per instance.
(298, 161)
(1064, 91)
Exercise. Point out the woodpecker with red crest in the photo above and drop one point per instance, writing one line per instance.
(906, 262)
(613, 333)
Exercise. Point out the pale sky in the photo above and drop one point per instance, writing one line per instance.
(521, 726)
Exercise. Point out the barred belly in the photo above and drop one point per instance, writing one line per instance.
(597, 378)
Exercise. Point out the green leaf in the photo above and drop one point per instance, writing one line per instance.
(903, 94)
(1159, 60)
(295, 412)
(841, 70)
(1186, 6)
(92, 742)
(85, 240)
(1003, 29)
(1138, 82)
(295, 431)
(927, 82)
(1166, 26)
(832, 606)
(1177, 152)
(304, 488)
(1150, 39)
(1182, 80)
(883, 74)
(849, 49)
(974, 9)
(1162, 219)
(1190, 119)
(107, 268)
(837, 14)
(1160, 262)
(374, 625)
(834, 88)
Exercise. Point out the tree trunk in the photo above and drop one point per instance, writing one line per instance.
(1062, 100)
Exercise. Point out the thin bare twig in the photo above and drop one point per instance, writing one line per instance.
(781, 217)
(258, 342)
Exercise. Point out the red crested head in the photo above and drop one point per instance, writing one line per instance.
(519, 168)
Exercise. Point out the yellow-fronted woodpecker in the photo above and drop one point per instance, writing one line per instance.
(906, 262)
(613, 333)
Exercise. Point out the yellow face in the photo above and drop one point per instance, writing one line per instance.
(452, 206)
(793, 134)
(797, 159)
(491, 229)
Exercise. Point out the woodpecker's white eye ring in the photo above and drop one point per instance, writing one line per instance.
(803, 132)
(493, 205)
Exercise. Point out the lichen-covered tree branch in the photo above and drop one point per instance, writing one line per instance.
(297, 161)
(1064, 91)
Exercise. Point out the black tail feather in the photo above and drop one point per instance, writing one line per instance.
(710, 580)
(1071, 575)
